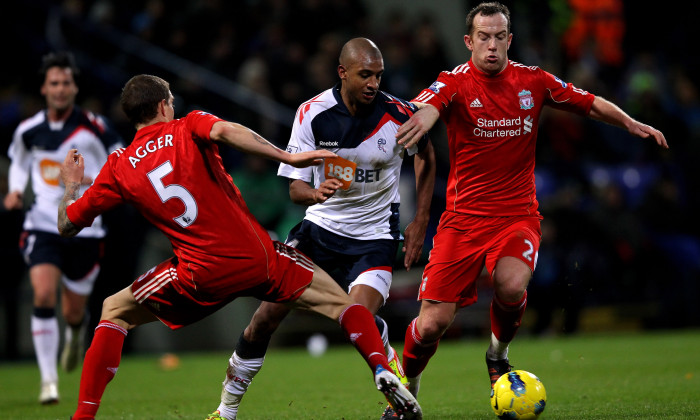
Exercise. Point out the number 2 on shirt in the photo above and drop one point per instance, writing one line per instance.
(342, 169)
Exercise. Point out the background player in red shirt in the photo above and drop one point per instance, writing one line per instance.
(173, 174)
(491, 107)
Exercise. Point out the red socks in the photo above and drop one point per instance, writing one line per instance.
(506, 317)
(416, 354)
(359, 327)
(100, 365)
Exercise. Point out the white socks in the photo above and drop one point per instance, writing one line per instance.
(498, 350)
(385, 335)
(239, 374)
(45, 337)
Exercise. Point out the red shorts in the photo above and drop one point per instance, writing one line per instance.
(170, 293)
(464, 244)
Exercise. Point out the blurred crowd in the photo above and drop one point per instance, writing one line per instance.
(618, 225)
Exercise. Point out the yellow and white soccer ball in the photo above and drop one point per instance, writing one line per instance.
(518, 395)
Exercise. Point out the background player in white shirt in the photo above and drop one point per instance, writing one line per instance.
(351, 228)
(38, 147)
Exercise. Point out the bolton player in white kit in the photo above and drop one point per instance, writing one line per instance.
(351, 228)
(38, 148)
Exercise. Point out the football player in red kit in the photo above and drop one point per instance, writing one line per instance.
(490, 107)
(173, 174)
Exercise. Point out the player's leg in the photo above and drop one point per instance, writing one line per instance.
(433, 319)
(73, 307)
(80, 267)
(448, 283)
(120, 313)
(370, 276)
(305, 285)
(517, 258)
(423, 336)
(371, 289)
(45, 278)
(248, 357)
(324, 296)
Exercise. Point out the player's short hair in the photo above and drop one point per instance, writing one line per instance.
(141, 96)
(61, 59)
(487, 9)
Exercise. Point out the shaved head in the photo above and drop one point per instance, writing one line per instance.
(360, 69)
(357, 49)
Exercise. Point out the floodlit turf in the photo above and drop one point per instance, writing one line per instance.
(615, 376)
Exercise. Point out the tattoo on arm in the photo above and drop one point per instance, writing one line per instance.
(258, 138)
(65, 227)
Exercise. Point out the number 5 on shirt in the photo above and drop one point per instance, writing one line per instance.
(342, 169)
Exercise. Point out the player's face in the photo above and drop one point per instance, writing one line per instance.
(59, 89)
(489, 42)
(361, 80)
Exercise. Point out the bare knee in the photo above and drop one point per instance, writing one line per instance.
(511, 291)
(510, 279)
(434, 320)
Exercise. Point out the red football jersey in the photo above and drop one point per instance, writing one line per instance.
(173, 174)
(492, 129)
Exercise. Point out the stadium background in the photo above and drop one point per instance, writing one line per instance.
(621, 248)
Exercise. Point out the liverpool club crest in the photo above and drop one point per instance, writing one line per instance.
(526, 101)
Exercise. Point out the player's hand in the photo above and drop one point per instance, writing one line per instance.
(73, 168)
(417, 126)
(13, 200)
(310, 158)
(414, 237)
(646, 131)
(327, 189)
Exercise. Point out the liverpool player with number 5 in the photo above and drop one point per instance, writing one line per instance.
(173, 174)
(491, 107)
(351, 228)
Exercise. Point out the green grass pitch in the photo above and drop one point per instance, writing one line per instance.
(603, 376)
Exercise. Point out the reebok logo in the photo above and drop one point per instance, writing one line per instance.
(476, 103)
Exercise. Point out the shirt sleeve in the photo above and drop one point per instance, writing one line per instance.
(20, 165)
(199, 123)
(440, 93)
(566, 96)
(102, 195)
(301, 140)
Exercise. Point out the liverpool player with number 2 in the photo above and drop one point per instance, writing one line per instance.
(491, 107)
(173, 174)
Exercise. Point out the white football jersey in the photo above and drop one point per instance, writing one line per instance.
(39, 148)
(369, 209)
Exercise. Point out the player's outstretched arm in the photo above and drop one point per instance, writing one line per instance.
(414, 235)
(417, 126)
(606, 111)
(72, 171)
(247, 140)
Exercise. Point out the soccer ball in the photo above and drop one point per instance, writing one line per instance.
(518, 395)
